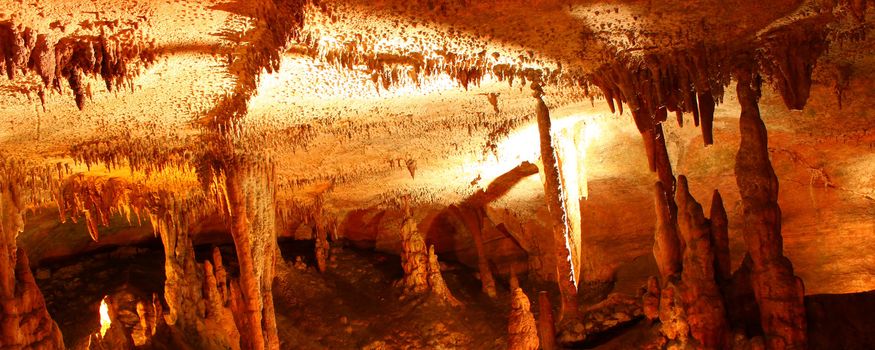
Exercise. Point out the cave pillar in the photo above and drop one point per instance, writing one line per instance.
(203, 317)
(24, 321)
(251, 205)
(559, 221)
(778, 292)
(474, 219)
(546, 326)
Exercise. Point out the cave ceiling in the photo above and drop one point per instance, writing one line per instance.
(357, 103)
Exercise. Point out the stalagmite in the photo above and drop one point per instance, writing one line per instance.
(546, 325)
(650, 299)
(553, 194)
(414, 258)
(521, 328)
(251, 198)
(436, 280)
(702, 301)
(666, 245)
(720, 238)
(779, 293)
(24, 321)
(320, 235)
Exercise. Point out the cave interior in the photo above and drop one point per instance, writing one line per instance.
(437, 174)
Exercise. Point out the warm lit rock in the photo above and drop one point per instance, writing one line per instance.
(521, 328)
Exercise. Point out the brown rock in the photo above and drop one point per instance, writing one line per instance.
(436, 281)
(702, 300)
(546, 325)
(779, 293)
(553, 194)
(521, 328)
(24, 320)
(650, 299)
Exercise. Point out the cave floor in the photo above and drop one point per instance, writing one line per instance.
(354, 304)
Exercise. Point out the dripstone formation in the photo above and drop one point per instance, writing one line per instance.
(392, 174)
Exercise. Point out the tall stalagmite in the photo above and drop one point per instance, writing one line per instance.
(779, 293)
(553, 194)
(703, 303)
(202, 317)
(521, 327)
(24, 321)
(251, 198)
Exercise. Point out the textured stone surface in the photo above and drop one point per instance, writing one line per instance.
(521, 327)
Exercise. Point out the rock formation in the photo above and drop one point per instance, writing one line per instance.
(250, 200)
(778, 291)
(406, 129)
(546, 325)
(24, 321)
(559, 222)
(414, 257)
(521, 328)
(422, 271)
(702, 300)
(436, 281)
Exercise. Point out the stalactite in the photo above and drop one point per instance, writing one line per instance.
(521, 328)
(117, 56)
(553, 194)
(779, 293)
(789, 57)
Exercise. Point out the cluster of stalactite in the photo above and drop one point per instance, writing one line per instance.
(387, 70)
(422, 271)
(38, 184)
(116, 56)
(24, 320)
(97, 199)
(149, 155)
(691, 297)
(280, 22)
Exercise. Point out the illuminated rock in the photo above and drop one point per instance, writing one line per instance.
(521, 327)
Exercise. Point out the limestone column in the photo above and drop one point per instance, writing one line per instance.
(251, 196)
(553, 194)
(778, 292)
(474, 219)
(24, 321)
